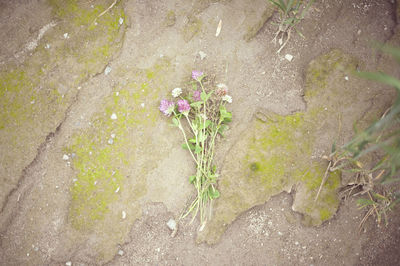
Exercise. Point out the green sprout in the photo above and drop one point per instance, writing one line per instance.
(289, 17)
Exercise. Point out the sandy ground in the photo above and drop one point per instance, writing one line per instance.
(36, 227)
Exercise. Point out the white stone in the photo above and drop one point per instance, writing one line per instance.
(142, 105)
(114, 116)
(120, 21)
(346, 78)
(66, 35)
(123, 214)
(68, 263)
(107, 70)
(202, 55)
(171, 224)
(116, 191)
(65, 157)
(120, 252)
(289, 57)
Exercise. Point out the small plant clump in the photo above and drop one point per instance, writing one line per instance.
(290, 15)
(381, 140)
(201, 116)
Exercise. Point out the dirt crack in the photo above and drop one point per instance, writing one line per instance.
(18, 193)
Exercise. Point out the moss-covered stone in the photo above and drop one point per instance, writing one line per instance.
(104, 152)
(256, 25)
(113, 156)
(36, 94)
(170, 19)
(191, 28)
(276, 152)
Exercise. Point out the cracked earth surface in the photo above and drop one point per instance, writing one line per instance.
(69, 197)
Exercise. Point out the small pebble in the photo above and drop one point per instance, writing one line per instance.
(142, 104)
(117, 93)
(116, 191)
(107, 70)
(279, 233)
(120, 21)
(123, 214)
(68, 263)
(113, 116)
(346, 78)
(65, 157)
(289, 57)
(66, 35)
(120, 252)
(202, 55)
(171, 224)
(110, 141)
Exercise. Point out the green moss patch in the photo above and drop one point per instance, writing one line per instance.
(36, 94)
(277, 153)
(109, 155)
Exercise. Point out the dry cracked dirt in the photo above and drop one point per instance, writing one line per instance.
(91, 172)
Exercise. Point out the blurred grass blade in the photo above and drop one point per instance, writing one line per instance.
(382, 78)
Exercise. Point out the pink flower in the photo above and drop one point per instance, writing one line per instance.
(196, 96)
(167, 107)
(183, 107)
(197, 74)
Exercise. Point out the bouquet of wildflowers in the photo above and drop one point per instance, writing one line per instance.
(201, 116)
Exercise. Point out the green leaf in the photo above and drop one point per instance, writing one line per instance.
(333, 149)
(192, 178)
(192, 140)
(278, 5)
(197, 149)
(225, 115)
(214, 193)
(196, 104)
(175, 122)
(185, 146)
(222, 129)
(203, 96)
(365, 202)
(205, 125)
(202, 137)
(289, 4)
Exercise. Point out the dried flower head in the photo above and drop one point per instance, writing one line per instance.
(197, 75)
(176, 92)
(227, 98)
(167, 107)
(183, 107)
(222, 89)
